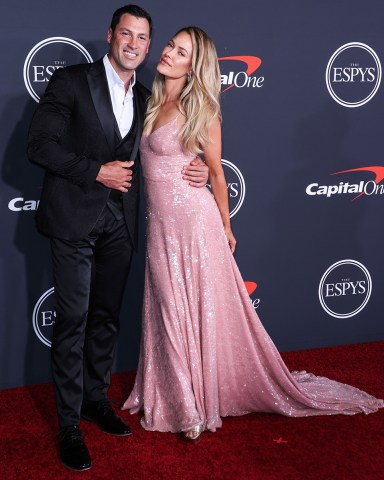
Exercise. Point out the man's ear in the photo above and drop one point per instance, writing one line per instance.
(149, 43)
(109, 35)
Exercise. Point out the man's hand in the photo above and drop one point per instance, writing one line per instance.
(116, 175)
(196, 173)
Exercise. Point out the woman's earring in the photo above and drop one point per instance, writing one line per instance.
(189, 77)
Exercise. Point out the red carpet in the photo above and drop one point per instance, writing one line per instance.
(256, 446)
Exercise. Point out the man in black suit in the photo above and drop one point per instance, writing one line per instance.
(85, 134)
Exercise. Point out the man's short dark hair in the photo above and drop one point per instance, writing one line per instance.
(134, 10)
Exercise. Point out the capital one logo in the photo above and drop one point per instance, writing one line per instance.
(251, 287)
(345, 288)
(353, 74)
(19, 204)
(235, 186)
(237, 71)
(357, 187)
(46, 57)
(43, 317)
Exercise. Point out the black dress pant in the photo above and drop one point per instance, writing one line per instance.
(89, 278)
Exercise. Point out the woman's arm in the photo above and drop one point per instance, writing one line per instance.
(212, 155)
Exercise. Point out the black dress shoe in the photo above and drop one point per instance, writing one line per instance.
(102, 414)
(73, 451)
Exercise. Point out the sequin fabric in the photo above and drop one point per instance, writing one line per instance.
(204, 352)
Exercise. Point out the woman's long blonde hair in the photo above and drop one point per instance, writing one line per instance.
(199, 99)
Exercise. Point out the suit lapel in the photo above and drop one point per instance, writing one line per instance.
(139, 112)
(98, 87)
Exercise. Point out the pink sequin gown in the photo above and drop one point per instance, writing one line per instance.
(204, 353)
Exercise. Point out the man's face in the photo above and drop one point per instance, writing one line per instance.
(129, 43)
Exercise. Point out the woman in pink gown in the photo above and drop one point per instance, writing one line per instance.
(204, 353)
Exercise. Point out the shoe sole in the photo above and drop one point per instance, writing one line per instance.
(76, 469)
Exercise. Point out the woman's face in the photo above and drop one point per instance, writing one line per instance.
(176, 58)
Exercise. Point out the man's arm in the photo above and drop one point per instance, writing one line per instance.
(51, 119)
(196, 173)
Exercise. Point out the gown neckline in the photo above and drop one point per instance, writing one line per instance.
(164, 125)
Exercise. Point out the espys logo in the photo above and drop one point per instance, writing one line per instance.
(345, 288)
(370, 187)
(353, 74)
(234, 76)
(46, 57)
(235, 185)
(43, 317)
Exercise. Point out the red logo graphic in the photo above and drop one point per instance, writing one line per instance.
(280, 440)
(251, 287)
(377, 170)
(252, 64)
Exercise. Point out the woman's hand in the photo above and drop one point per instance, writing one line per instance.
(231, 239)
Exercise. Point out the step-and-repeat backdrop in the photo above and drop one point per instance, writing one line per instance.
(303, 132)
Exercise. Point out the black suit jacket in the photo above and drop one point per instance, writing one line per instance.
(72, 134)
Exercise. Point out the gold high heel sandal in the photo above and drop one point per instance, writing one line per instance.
(194, 434)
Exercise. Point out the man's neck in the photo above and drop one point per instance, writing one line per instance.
(124, 75)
